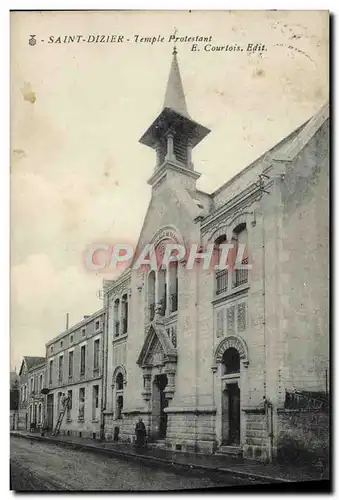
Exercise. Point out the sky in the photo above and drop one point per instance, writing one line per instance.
(79, 174)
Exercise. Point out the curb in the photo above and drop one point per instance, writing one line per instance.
(150, 459)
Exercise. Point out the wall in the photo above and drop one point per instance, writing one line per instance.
(303, 436)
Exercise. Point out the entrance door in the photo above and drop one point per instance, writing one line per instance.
(233, 414)
(159, 417)
(50, 404)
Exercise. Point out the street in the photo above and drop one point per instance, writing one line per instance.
(37, 466)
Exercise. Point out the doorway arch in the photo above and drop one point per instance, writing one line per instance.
(231, 361)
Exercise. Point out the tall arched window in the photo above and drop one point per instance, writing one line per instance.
(221, 276)
(162, 290)
(240, 276)
(124, 305)
(119, 395)
(116, 318)
(173, 286)
(151, 295)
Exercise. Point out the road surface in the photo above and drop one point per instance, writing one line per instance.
(37, 466)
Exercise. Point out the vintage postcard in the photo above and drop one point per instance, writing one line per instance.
(169, 250)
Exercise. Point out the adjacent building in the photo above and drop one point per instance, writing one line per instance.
(74, 363)
(31, 401)
(233, 360)
(14, 391)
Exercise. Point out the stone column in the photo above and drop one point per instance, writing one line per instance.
(170, 147)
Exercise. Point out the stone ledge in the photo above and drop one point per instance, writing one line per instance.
(191, 409)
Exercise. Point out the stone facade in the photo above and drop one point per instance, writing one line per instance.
(74, 366)
(206, 357)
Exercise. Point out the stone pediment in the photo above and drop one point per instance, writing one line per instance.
(157, 348)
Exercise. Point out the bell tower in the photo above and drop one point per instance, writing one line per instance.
(174, 134)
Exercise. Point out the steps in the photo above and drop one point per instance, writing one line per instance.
(234, 451)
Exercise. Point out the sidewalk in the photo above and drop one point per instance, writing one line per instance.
(213, 463)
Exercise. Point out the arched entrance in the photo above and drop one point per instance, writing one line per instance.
(230, 361)
(231, 398)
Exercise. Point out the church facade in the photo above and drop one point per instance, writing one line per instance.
(225, 360)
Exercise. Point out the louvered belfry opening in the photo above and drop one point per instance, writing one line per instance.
(162, 151)
(180, 149)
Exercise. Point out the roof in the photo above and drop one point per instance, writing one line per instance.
(81, 323)
(32, 362)
(284, 150)
(175, 97)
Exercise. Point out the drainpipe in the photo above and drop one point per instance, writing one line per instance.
(104, 369)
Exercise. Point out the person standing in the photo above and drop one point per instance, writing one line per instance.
(140, 433)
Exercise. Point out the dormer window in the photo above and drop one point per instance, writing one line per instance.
(83, 332)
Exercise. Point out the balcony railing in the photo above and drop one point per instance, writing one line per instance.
(241, 275)
(221, 281)
(117, 329)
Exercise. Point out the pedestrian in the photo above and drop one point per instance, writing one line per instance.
(140, 432)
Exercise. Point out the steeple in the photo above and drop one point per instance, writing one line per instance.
(174, 134)
(175, 97)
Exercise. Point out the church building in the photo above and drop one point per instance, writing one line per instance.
(232, 360)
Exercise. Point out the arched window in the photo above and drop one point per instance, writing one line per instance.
(162, 289)
(119, 395)
(239, 238)
(173, 286)
(151, 295)
(231, 361)
(221, 276)
(116, 318)
(124, 305)
(120, 382)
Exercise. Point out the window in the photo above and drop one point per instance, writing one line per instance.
(96, 354)
(81, 403)
(71, 339)
(97, 325)
(61, 368)
(96, 396)
(124, 306)
(231, 361)
(83, 332)
(119, 395)
(32, 385)
(40, 383)
(39, 414)
(116, 318)
(221, 276)
(61, 343)
(70, 364)
(120, 382)
(51, 349)
(240, 276)
(151, 295)
(82, 360)
(173, 286)
(51, 372)
(69, 405)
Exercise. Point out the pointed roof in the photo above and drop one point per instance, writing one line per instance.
(31, 362)
(174, 112)
(175, 97)
(157, 331)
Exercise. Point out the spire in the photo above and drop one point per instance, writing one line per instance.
(175, 97)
